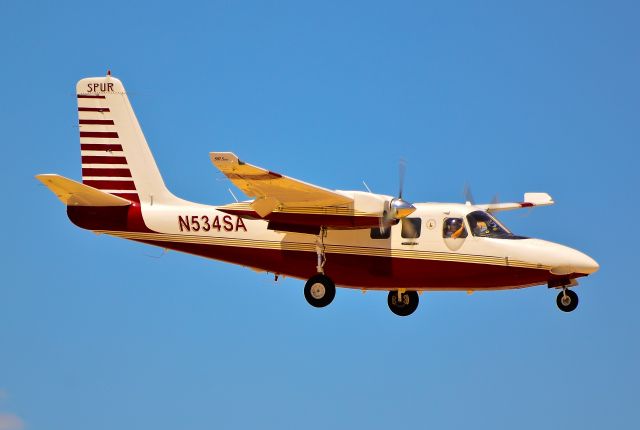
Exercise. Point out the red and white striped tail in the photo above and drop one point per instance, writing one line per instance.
(115, 155)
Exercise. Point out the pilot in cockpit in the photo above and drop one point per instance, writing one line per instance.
(455, 228)
(480, 229)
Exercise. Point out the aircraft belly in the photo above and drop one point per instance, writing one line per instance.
(367, 271)
(351, 262)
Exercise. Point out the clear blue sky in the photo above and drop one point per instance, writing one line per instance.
(97, 333)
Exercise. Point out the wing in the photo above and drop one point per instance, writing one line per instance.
(272, 190)
(530, 200)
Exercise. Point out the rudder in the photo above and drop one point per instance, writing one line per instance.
(115, 155)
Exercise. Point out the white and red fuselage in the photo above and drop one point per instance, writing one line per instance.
(287, 225)
(353, 258)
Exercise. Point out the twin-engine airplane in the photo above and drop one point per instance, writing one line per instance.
(353, 239)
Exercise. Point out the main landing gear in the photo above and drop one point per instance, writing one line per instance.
(567, 300)
(403, 303)
(320, 289)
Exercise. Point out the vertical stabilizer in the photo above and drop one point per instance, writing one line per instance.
(115, 156)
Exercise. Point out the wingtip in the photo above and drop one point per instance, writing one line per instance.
(44, 176)
(224, 157)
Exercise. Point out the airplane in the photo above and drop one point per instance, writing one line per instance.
(328, 238)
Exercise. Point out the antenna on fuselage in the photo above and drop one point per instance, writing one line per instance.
(366, 186)
(233, 195)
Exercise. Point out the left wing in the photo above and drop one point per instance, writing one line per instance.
(530, 200)
(272, 190)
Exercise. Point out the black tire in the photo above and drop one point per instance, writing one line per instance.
(319, 291)
(406, 306)
(568, 304)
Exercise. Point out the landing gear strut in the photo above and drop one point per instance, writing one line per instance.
(321, 258)
(320, 289)
(567, 300)
(403, 303)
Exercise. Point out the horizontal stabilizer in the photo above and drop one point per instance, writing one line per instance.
(73, 193)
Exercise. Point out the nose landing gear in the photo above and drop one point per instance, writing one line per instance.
(567, 300)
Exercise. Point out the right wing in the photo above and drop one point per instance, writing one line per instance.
(272, 190)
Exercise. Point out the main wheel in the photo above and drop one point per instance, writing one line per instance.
(319, 290)
(567, 300)
(404, 306)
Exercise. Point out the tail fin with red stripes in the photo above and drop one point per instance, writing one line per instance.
(115, 155)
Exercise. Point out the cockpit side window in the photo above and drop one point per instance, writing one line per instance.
(453, 228)
(411, 228)
(484, 225)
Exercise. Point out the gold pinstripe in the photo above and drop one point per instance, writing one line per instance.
(335, 249)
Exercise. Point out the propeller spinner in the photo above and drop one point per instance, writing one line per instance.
(397, 208)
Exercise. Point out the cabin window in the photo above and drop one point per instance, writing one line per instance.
(484, 225)
(378, 233)
(453, 228)
(411, 228)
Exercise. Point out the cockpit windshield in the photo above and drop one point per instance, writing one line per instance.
(484, 225)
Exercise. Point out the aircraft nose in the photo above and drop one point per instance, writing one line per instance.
(573, 261)
(582, 263)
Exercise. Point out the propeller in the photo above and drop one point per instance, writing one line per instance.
(397, 208)
(468, 197)
(495, 201)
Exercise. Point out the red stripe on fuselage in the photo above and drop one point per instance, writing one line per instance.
(121, 218)
(310, 219)
(87, 96)
(365, 271)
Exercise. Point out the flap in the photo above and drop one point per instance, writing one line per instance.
(273, 190)
(73, 193)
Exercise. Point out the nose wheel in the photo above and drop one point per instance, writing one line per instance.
(319, 290)
(567, 300)
(403, 303)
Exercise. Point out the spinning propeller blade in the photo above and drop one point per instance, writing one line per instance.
(495, 201)
(402, 170)
(468, 196)
(397, 208)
